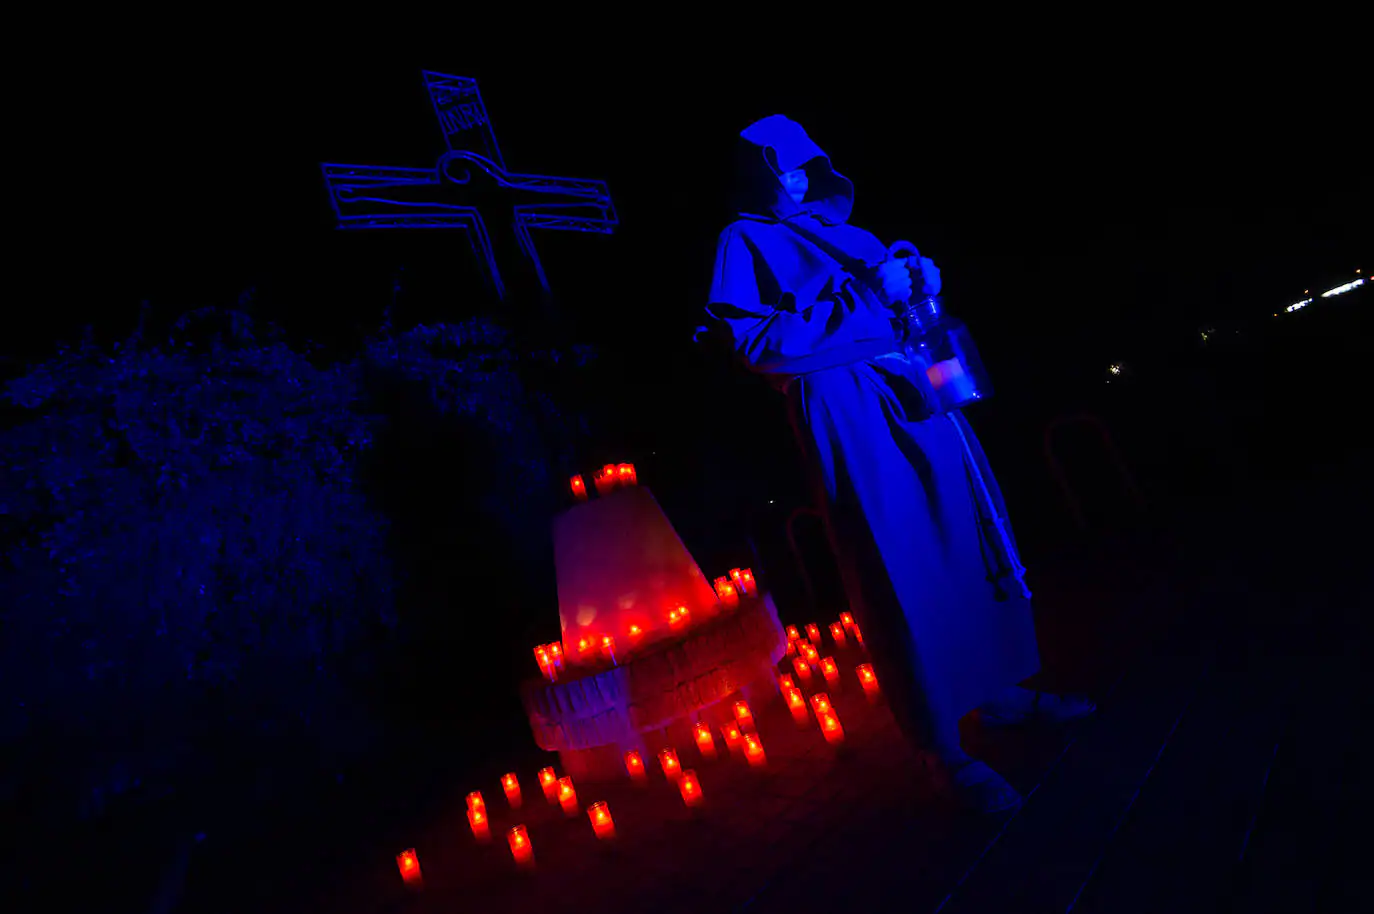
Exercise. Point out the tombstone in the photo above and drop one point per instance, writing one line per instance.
(624, 572)
(470, 189)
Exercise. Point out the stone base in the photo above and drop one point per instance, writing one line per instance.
(652, 700)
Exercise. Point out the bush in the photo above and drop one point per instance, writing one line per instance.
(189, 564)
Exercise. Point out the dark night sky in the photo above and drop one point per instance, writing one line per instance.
(1054, 188)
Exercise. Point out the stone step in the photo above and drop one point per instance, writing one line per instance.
(1049, 849)
(1177, 846)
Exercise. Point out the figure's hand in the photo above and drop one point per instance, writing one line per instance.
(894, 281)
(930, 276)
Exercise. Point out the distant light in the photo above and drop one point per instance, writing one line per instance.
(1114, 369)
(1296, 305)
(1339, 290)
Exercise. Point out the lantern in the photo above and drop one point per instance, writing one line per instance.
(733, 737)
(667, 758)
(803, 670)
(511, 785)
(814, 634)
(830, 728)
(753, 750)
(579, 488)
(785, 682)
(744, 716)
(820, 703)
(705, 741)
(634, 764)
(602, 823)
(409, 865)
(520, 847)
(796, 703)
(481, 828)
(625, 474)
(868, 680)
(567, 797)
(606, 479)
(549, 781)
(830, 671)
(837, 634)
(690, 788)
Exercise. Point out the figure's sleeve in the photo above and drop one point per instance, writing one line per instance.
(767, 326)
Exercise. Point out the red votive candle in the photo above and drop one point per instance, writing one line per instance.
(830, 671)
(579, 488)
(796, 703)
(602, 823)
(475, 801)
(626, 475)
(846, 619)
(556, 652)
(792, 633)
(520, 847)
(809, 651)
(830, 728)
(868, 680)
(727, 592)
(803, 670)
(733, 737)
(744, 716)
(837, 634)
(820, 703)
(409, 864)
(753, 750)
(567, 797)
(541, 657)
(677, 618)
(549, 781)
(858, 635)
(791, 648)
(606, 479)
(671, 767)
(814, 634)
(785, 682)
(690, 788)
(746, 583)
(634, 765)
(706, 742)
(608, 648)
(511, 785)
(481, 828)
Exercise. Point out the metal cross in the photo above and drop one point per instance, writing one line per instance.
(470, 189)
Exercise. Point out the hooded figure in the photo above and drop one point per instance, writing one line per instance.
(799, 294)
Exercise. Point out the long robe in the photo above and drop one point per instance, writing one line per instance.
(927, 576)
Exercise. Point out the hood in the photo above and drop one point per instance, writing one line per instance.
(775, 145)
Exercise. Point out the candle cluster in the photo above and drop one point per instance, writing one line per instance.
(741, 734)
(610, 477)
